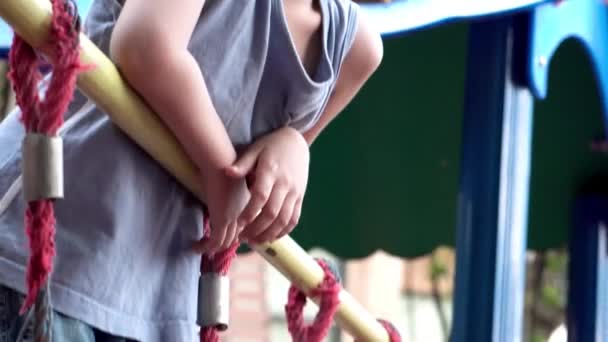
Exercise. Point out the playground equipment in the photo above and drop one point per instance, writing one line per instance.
(510, 48)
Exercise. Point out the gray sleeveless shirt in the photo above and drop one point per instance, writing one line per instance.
(123, 262)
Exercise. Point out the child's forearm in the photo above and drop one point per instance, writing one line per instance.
(173, 85)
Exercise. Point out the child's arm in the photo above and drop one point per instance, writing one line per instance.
(149, 44)
(279, 161)
(360, 63)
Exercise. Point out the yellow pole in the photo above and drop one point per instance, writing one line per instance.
(104, 85)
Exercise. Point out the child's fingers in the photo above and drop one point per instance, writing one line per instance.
(239, 230)
(281, 222)
(260, 193)
(235, 172)
(201, 246)
(245, 164)
(294, 219)
(230, 237)
(215, 240)
(269, 213)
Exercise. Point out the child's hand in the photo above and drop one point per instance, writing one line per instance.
(277, 165)
(226, 199)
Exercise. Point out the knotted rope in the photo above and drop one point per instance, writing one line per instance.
(217, 265)
(44, 117)
(327, 292)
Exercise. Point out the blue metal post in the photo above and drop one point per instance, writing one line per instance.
(588, 271)
(493, 198)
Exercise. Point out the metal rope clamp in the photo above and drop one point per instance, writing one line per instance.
(42, 167)
(213, 301)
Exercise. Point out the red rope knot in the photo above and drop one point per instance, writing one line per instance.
(214, 267)
(328, 293)
(393, 333)
(44, 117)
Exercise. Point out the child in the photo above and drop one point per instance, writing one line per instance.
(245, 86)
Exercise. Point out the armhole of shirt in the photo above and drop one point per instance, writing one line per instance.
(352, 27)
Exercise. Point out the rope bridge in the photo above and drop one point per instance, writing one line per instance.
(53, 29)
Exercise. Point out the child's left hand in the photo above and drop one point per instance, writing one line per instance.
(277, 165)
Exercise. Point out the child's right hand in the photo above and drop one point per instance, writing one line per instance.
(226, 199)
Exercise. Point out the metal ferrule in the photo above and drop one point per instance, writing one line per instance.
(213, 301)
(42, 167)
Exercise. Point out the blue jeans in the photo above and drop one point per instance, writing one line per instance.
(65, 329)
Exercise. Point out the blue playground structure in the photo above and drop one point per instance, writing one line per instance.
(510, 45)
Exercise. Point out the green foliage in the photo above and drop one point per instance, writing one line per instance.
(438, 269)
(552, 297)
(546, 293)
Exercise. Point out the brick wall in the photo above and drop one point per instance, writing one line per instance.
(249, 315)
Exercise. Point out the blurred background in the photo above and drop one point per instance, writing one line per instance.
(414, 293)
(383, 194)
